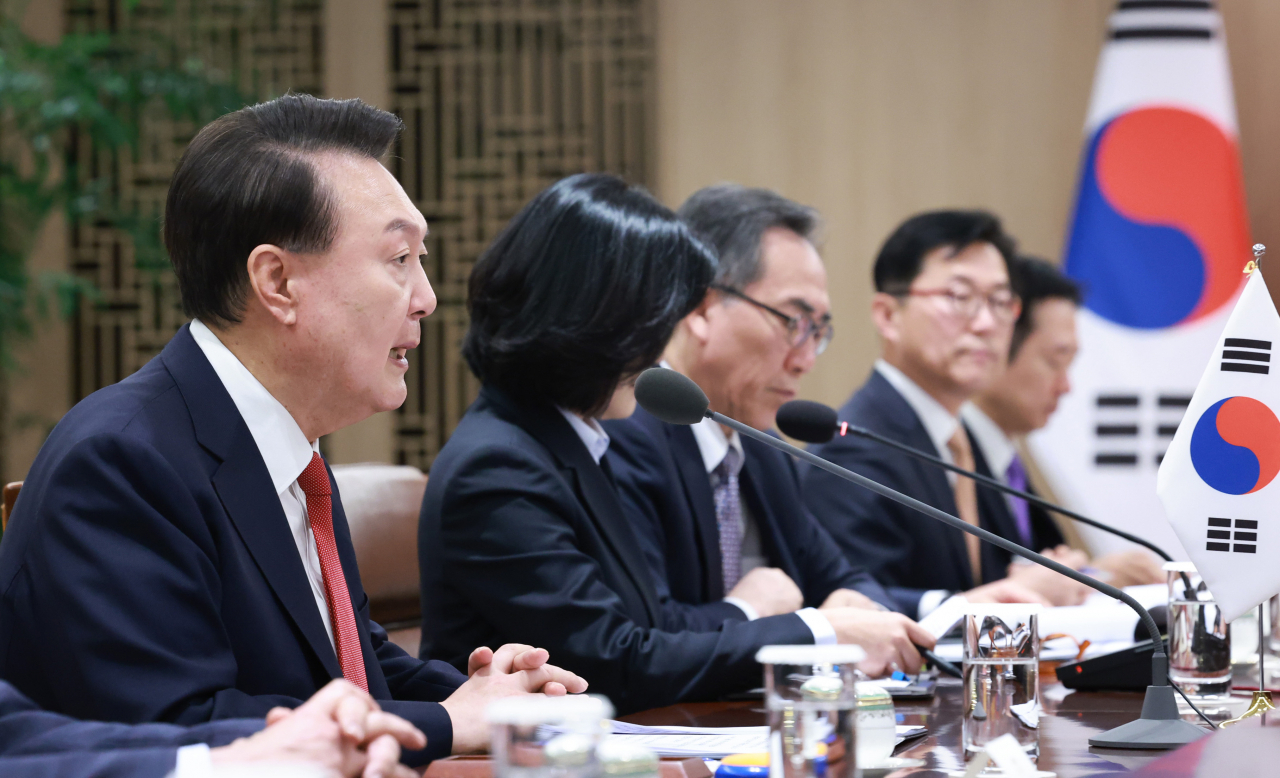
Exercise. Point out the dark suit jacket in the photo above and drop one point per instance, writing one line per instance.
(1045, 532)
(906, 551)
(523, 538)
(665, 484)
(36, 743)
(148, 572)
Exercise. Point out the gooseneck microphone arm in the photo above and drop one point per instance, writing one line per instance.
(1160, 678)
(863, 432)
(675, 399)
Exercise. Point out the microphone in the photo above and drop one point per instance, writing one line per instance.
(675, 399)
(813, 422)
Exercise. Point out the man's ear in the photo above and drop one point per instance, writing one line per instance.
(270, 274)
(698, 322)
(886, 311)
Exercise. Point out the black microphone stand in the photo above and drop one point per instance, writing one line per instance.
(863, 432)
(1160, 725)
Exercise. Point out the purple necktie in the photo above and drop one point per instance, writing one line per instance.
(729, 516)
(1016, 476)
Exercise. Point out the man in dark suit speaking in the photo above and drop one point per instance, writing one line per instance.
(179, 551)
(732, 538)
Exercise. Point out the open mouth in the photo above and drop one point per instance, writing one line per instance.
(399, 356)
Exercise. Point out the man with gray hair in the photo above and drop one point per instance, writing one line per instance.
(731, 539)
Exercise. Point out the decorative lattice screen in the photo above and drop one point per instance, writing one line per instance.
(500, 98)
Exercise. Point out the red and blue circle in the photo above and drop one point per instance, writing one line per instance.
(1160, 234)
(1235, 446)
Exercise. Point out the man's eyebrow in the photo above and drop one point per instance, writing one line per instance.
(801, 304)
(400, 224)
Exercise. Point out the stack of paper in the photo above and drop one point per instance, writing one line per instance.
(711, 741)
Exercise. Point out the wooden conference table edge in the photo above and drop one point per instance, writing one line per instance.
(1065, 730)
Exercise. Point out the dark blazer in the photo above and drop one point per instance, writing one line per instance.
(906, 551)
(1045, 532)
(664, 483)
(523, 539)
(148, 572)
(39, 744)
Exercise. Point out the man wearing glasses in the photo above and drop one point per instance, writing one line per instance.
(730, 539)
(945, 310)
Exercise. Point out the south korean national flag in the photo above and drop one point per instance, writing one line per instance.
(1218, 478)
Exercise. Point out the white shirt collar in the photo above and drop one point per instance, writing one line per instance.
(592, 434)
(937, 420)
(283, 446)
(713, 445)
(996, 446)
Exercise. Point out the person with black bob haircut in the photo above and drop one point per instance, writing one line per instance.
(523, 535)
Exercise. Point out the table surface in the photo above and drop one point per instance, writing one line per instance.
(1070, 720)
(1064, 731)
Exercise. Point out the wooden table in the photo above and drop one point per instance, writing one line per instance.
(1065, 730)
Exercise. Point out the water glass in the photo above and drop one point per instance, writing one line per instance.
(811, 697)
(1001, 676)
(1199, 638)
(547, 737)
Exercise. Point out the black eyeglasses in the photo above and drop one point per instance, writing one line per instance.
(799, 328)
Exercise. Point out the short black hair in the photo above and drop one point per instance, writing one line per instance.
(902, 256)
(732, 218)
(582, 288)
(1035, 281)
(248, 179)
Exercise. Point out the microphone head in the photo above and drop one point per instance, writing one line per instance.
(808, 421)
(671, 396)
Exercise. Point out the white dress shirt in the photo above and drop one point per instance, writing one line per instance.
(592, 434)
(940, 426)
(713, 445)
(284, 448)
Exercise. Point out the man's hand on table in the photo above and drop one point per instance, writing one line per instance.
(888, 638)
(512, 670)
(848, 598)
(1054, 587)
(340, 729)
(769, 591)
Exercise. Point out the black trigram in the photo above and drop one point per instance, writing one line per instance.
(1117, 430)
(1241, 355)
(1246, 536)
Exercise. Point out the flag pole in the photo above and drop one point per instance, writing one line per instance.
(1261, 702)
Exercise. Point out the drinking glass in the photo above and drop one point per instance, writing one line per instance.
(812, 699)
(1001, 676)
(1199, 639)
(547, 737)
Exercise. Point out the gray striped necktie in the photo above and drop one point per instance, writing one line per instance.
(729, 516)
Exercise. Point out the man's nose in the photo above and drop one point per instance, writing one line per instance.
(802, 358)
(423, 299)
(984, 320)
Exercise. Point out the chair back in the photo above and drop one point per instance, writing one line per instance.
(10, 497)
(382, 503)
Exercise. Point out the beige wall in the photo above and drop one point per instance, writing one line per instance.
(872, 110)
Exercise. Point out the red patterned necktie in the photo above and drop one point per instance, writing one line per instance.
(315, 484)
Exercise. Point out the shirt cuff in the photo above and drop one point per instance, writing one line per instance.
(929, 602)
(194, 761)
(744, 606)
(823, 633)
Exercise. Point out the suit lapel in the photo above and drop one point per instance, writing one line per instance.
(355, 588)
(908, 428)
(244, 486)
(597, 493)
(752, 487)
(697, 488)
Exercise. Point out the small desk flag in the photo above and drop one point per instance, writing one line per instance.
(1218, 479)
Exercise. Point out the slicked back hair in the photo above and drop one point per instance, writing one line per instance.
(1035, 281)
(582, 288)
(901, 258)
(249, 178)
(732, 219)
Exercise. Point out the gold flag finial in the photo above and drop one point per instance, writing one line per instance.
(1252, 265)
